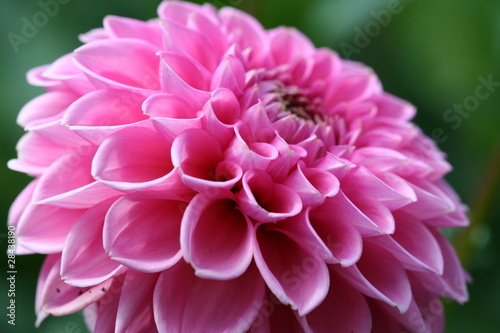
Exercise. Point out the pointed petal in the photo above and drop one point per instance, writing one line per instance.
(344, 310)
(378, 275)
(98, 114)
(295, 276)
(265, 201)
(216, 237)
(153, 224)
(123, 63)
(44, 228)
(183, 302)
(84, 262)
(135, 308)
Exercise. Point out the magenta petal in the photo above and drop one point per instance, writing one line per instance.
(338, 234)
(68, 182)
(58, 298)
(216, 237)
(360, 180)
(105, 310)
(98, 114)
(265, 201)
(45, 108)
(344, 310)
(431, 201)
(312, 185)
(133, 158)
(198, 157)
(44, 228)
(171, 114)
(378, 275)
(413, 244)
(35, 153)
(84, 262)
(120, 63)
(173, 83)
(123, 27)
(153, 223)
(135, 308)
(295, 276)
(183, 302)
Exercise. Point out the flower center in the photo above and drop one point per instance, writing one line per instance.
(299, 102)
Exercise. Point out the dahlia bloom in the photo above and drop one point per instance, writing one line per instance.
(198, 173)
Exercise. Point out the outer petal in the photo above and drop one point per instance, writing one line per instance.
(135, 308)
(36, 154)
(58, 298)
(183, 302)
(154, 226)
(216, 236)
(44, 228)
(68, 182)
(295, 276)
(378, 275)
(344, 310)
(123, 63)
(134, 158)
(84, 262)
(98, 114)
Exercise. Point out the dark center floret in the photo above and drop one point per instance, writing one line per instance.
(298, 102)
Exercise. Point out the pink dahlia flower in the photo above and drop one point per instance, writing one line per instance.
(198, 173)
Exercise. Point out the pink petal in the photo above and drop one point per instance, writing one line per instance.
(58, 298)
(153, 223)
(171, 114)
(413, 244)
(338, 234)
(183, 302)
(133, 158)
(312, 185)
(248, 33)
(123, 63)
(229, 74)
(295, 276)
(250, 155)
(288, 44)
(198, 156)
(222, 251)
(343, 310)
(44, 228)
(84, 262)
(265, 201)
(378, 275)
(183, 40)
(221, 115)
(351, 87)
(135, 308)
(35, 154)
(360, 181)
(105, 310)
(45, 108)
(173, 83)
(123, 27)
(68, 182)
(98, 114)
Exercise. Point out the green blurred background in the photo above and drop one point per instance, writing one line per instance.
(431, 53)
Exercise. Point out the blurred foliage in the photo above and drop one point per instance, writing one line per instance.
(428, 52)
